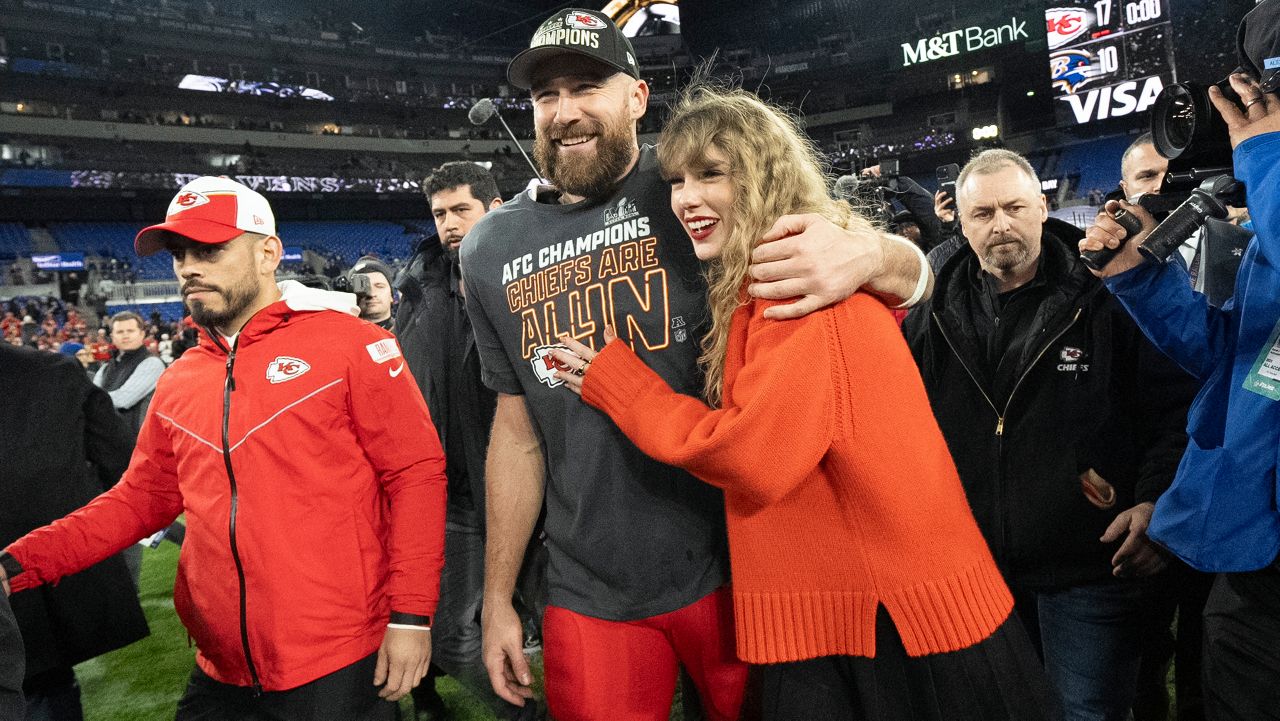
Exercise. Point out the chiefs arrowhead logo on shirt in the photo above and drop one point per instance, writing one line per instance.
(545, 365)
(285, 368)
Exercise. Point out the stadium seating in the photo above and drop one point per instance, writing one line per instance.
(350, 240)
(169, 312)
(14, 241)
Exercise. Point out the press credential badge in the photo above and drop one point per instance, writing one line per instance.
(1264, 379)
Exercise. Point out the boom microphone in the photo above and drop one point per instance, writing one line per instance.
(480, 113)
(484, 109)
(846, 187)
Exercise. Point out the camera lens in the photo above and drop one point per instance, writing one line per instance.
(1173, 120)
(1185, 125)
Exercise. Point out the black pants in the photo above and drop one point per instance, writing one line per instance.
(347, 694)
(1174, 633)
(1242, 647)
(999, 679)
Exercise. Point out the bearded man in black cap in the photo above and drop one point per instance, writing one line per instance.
(638, 567)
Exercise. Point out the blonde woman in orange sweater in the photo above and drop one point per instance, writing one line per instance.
(860, 580)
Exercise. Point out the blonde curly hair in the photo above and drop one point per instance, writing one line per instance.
(775, 170)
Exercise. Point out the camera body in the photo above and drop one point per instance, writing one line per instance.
(357, 283)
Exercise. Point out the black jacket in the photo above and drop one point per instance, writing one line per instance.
(12, 665)
(1078, 388)
(62, 443)
(439, 346)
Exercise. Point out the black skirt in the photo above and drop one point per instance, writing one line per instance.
(999, 679)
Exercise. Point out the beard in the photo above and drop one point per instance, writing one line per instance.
(590, 176)
(451, 251)
(235, 299)
(1008, 256)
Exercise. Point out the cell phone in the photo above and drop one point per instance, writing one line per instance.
(889, 168)
(947, 175)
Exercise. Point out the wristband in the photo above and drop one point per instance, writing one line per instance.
(400, 619)
(922, 283)
(10, 564)
(408, 627)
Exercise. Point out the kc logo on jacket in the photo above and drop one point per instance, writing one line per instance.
(286, 368)
(1071, 358)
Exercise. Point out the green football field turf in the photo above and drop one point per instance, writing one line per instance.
(142, 682)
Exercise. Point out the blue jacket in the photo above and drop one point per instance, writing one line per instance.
(1220, 514)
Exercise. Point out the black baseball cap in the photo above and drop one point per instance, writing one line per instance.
(1258, 44)
(579, 32)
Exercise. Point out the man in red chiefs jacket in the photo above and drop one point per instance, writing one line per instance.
(311, 476)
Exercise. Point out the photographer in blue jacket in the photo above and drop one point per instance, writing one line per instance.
(1220, 514)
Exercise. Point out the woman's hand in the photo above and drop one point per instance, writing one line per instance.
(573, 364)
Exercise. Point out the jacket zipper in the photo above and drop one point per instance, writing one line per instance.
(1000, 415)
(228, 386)
(1002, 530)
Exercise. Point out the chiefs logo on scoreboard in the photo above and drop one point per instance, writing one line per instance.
(1066, 24)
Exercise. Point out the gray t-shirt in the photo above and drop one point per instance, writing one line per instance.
(629, 537)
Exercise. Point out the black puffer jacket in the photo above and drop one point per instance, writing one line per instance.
(438, 344)
(1082, 389)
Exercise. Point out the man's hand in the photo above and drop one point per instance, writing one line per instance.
(4, 581)
(402, 661)
(1106, 232)
(1257, 113)
(810, 258)
(1138, 557)
(503, 652)
(944, 206)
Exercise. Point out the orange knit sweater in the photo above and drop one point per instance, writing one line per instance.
(839, 489)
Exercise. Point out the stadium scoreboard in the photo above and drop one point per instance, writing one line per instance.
(1108, 58)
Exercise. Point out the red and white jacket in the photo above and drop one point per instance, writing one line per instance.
(314, 488)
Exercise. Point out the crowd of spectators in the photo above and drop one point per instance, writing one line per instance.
(49, 324)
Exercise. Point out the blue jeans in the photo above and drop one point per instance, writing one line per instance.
(1090, 638)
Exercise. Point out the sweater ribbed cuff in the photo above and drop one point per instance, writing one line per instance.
(617, 379)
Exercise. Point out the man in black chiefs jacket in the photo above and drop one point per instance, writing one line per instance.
(1065, 425)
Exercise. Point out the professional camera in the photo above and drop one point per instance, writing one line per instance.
(357, 283)
(1188, 130)
(874, 195)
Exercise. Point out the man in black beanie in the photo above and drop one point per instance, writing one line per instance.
(376, 306)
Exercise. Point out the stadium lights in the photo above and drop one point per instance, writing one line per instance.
(986, 132)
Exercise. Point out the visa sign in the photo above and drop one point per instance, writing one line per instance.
(1114, 101)
(969, 39)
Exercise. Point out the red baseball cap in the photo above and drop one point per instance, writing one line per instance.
(210, 210)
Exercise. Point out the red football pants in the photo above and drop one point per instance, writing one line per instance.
(600, 670)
